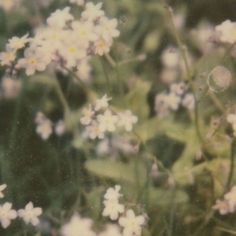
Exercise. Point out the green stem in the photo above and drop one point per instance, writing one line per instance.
(232, 164)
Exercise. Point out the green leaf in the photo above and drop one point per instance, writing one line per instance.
(132, 172)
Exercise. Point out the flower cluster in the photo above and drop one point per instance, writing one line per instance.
(30, 214)
(99, 119)
(177, 96)
(64, 41)
(131, 224)
(45, 126)
(228, 204)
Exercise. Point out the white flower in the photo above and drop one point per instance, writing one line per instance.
(222, 206)
(188, 101)
(2, 187)
(107, 121)
(92, 12)
(132, 224)
(6, 58)
(226, 32)
(230, 197)
(127, 120)
(7, 214)
(94, 131)
(16, 43)
(113, 193)
(87, 116)
(173, 101)
(111, 230)
(112, 208)
(44, 129)
(178, 88)
(78, 226)
(59, 18)
(107, 29)
(33, 61)
(30, 214)
(102, 103)
(170, 57)
(102, 46)
(60, 128)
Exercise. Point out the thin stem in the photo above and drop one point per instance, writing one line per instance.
(232, 164)
(179, 42)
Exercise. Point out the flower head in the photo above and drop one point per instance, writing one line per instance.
(7, 214)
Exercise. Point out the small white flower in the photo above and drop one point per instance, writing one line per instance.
(7, 214)
(94, 131)
(188, 101)
(230, 197)
(44, 129)
(178, 88)
(6, 58)
(16, 43)
(59, 18)
(92, 12)
(2, 188)
(112, 208)
(78, 226)
(170, 58)
(102, 103)
(173, 101)
(30, 214)
(60, 128)
(113, 193)
(127, 120)
(87, 116)
(132, 224)
(107, 121)
(222, 206)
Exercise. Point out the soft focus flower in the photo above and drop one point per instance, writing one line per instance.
(8, 5)
(132, 224)
(226, 32)
(6, 58)
(59, 18)
(230, 197)
(2, 188)
(44, 126)
(222, 206)
(7, 214)
(112, 207)
(16, 43)
(92, 12)
(170, 58)
(127, 120)
(30, 214)
(102, 103)
(94, 131)
(78, 226)
(188, 101)
(107, 121)
(60, 128)
(87, 115)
